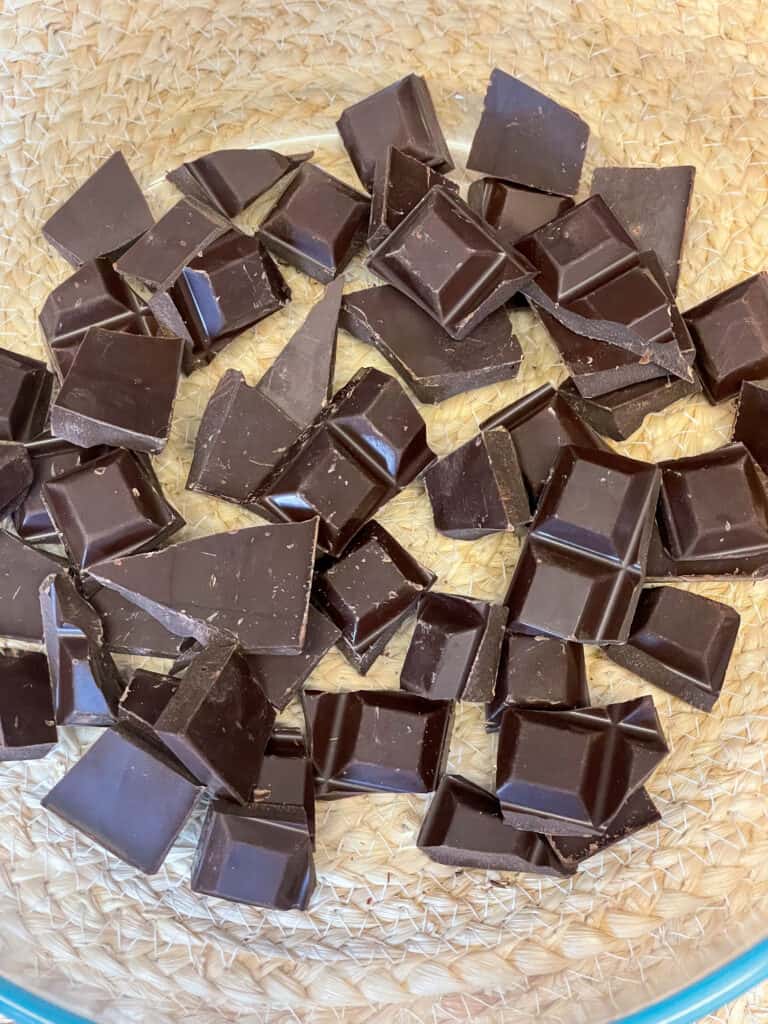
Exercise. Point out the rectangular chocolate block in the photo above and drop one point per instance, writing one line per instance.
(514, 210)
(22, 570)
(618, 414)
(27, 726)
(25, 396)
(400, 182)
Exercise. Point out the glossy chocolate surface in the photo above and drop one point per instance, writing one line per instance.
(22, 570)
(399, 184)
(27, 727)
(143, 701)
(751, 418)
(514, 210)
(16, 476)
(129, 629)
(618, 414)
(25, 396)
(286, 774)
(636, 813)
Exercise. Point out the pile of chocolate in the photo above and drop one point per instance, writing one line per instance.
(246, 616)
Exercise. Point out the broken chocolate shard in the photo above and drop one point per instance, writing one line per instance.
(636, 813)
(286, 774)
(27, 727)
(22, 570)
(143, 701)
(399, 184)
(25, 396)
(230, 180)
(525, 137)
(376, 741)
(16, 476)
(514, 210)
(129, 629)
(751, 414)
(432, 363)
(253, 584)
(103, 217)
(618, 414)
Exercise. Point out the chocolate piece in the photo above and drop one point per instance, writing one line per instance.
(103, 217)
(636, 813)
(128, 629)
(526, 137)
(541, 423)
(369, 741)
(367, 445)
(400, 182)
(538, 672)
(569, 772)
(751, 414)
(260, 855)
(730, 332)
(22, 570)
(474, 276)
(455, 649)
(127, 797)
(94, 296)
(317, 225)
(16, 476)
(27, 728)
(218, 722)
(229, 180)
(618, 414)
(111, 506)
(464, 829)
(479, 488)
(401, 115)
(681, 642)
(652, 204)
(581, 568)
(143, 701)
(25, 395)
(514, 210)
(84, 679)
(433, 365)
(252, 583)
(369, 592)
(120, 390)
(286, 773)
(182, 233)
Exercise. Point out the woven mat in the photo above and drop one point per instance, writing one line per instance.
(391, 936)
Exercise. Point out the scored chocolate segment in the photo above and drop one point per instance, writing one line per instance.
(369, 741)
(286, 774)
(636, 813)
(399, 184)
(514, 210)
(22, 570)
(581, 568)
(27, 727)
(618, 414)
(751, 417)
(25, 396)
(16, 476)
(525, 137)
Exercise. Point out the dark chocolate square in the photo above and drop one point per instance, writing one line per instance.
(514, 210)
(27, 726)
(400, 183)
(25, 395)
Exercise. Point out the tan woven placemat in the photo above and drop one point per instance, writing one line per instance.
(391, 936)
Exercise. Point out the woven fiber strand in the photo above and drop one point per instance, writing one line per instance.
(392, 937)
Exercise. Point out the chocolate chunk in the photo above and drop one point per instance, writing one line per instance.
(85, 681)
(160, 255)
(618, 414)
(103, 217)
(751, 415)
(455, 649)
(681, 642)
(252, 583)
(400, 182)
(16, 476)
(229, 180)
(286, 773)
(527, 138)
(464, 829)
(27, 728)
(514, 210)
(569, 772)
(111, 506)
(143, 701)
(541, 423)
(369, 741)
(479, 488)
(581, 568)
(94, 296)
(401, 115)
(128, 629)
(369, 592)
(730, 332)
(22, 570)
(127, 797)
(317, 225)
(652, 204)
(636, 813)
(260, 855)
(538, 672)
(120, 390)
(432, 363)
(474, 276)
(25, 395)
(218, 722)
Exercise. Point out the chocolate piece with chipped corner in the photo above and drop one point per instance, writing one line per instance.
(25, 396)
(479, 488)
(400, 182)
(252, 584)
(129, 629)
(27, 726)
(103, 217)
(751, 417)
(85, 682)
(317, 225)
(636, 813)
(401, 115)
(143, 701)
(455, 649)
(376, 741)
(286, 774)
(230, 180)
(369, 592)
(120, 391)
(583, 562)
(474, 275)
(570, 772)
(259, 855)
(127, 797)
(432, 363)
(463, 828)
(514, 210)
(525, 137)
(618, 414)
(16, 476)
(22, 570)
